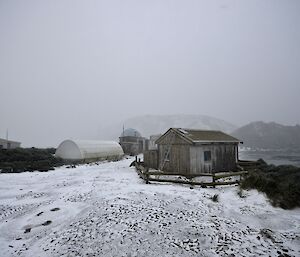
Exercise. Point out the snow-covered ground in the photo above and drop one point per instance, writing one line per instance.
(107, 210)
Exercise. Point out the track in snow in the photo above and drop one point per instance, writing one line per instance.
(106, 210)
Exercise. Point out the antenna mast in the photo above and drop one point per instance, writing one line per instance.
(7, 138)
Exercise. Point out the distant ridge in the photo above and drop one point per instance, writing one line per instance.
(269, 135)
(155, 124)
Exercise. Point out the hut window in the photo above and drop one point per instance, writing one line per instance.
(207, 156)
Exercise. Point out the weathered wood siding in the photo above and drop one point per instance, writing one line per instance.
(225, 157)
(178, 158)
(189, 159)
(151, 159)
(174, 139)
(197, 163)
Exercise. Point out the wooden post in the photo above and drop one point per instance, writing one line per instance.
(213, 179)
(147, 175)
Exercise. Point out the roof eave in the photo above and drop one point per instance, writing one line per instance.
(185, 138)
(215, 141)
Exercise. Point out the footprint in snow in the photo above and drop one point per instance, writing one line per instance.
(46, 223)
(55, 209)
(27, 230)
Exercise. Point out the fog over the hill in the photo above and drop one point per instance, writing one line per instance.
(68, 67)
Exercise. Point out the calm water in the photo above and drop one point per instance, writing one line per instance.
(278, 157)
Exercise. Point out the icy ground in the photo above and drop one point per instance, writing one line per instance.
(107, 210)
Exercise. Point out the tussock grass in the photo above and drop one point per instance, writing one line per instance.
(281, 184)
(28, 159)
(215, 198)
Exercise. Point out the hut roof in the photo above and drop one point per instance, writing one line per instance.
(8, 141)
(194, 136)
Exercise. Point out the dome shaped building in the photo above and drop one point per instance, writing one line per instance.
(132, 141)
(89, 150)
(130, 132)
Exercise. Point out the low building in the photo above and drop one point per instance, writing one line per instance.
(189, 151)
(8, 144)
(89, 150)
(152, 142)
(132, 142)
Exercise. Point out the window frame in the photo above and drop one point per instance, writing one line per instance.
(207, 156)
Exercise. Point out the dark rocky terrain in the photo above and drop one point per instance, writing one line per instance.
(262, 135)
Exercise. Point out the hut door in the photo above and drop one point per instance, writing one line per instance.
(195, 160)
(200, 160)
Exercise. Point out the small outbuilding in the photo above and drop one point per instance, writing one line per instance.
(152, 142)
(89, 150)
(9, 144)
(132, 142)
(189, 151)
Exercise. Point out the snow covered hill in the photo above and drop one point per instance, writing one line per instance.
(157, 124)
(262, 135)
(105, 209)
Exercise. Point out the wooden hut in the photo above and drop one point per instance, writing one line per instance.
(189, 151)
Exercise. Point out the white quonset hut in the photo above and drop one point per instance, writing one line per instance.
(89, 150)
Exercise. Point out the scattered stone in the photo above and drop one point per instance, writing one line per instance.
(46, 223)
(40, 213)
(55, 209)
(27, 230)
(266, 233)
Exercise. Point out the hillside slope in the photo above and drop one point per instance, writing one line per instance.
(155, 124)
(269, 135)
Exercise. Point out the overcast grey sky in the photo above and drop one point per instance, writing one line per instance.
(66, 67)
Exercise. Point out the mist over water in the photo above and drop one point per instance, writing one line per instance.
(276, 157)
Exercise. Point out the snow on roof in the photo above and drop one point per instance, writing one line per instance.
(9, 141)
(200, 136)
(183, 131)
(207, 135)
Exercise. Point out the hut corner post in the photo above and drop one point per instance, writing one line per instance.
(214, 179)
(147, 176)
(137, 160)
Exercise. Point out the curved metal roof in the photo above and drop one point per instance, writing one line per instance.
(88, 149)
(130, 132)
